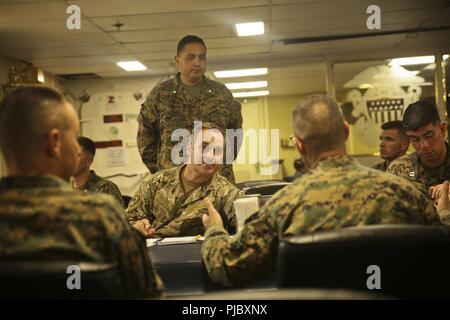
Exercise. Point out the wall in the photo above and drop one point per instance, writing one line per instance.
(121, 164)
(279, 114)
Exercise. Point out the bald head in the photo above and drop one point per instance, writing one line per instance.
(319, 123)
(29, 118)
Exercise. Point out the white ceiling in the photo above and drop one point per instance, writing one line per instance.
(35, 31)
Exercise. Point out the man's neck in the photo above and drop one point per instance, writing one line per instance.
(192, 176)
(314, 159)
(190, 82)
(81, 179)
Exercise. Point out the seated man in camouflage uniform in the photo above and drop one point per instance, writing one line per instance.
(41, 216)
(393, 143)
(336, 193)
(429, 166)
(86, 179)
(170, 203)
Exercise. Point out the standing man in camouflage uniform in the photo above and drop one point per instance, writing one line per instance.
(86, 179)
(178, 102)
(170, 203)
(393, 143)
(429, 166)
(41, 216)
(336, 193)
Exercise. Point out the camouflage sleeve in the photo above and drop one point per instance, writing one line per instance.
(402, 169)
(225, 199)
(249, 256)
(112, 189)
(140, 206)
(445, 216)
(134, 264)
(148, 131)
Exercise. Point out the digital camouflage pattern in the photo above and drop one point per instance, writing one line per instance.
(169, 106)
(172, 213)
(95, 183)
(338, 193)
(42, 217)
(410, 168)
(382, 166)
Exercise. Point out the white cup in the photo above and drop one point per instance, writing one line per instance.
(244, 207)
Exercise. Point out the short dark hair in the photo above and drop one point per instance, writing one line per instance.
(87, 144)
(26, 114)
(419, 114)
(188, 39)
(396, 124)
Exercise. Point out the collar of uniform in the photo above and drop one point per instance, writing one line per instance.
(39, 181)
(202, 191)
(335, 161)
(207, 87)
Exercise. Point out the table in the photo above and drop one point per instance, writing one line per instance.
(181, 269)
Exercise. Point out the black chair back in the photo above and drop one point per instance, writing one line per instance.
(48, 280)
(413, 260)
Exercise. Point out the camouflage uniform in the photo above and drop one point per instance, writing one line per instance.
(172, 213)
(410, 168)
(95, 183)
(338, 193)
(382, 166)
(42, 217)
(169, 107)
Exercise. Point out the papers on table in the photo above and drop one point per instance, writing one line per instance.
(173, 240)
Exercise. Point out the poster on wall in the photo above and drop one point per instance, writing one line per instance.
(377, 95)
(115, 157)
(113, 104)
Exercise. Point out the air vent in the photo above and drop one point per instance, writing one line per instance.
(79, 76)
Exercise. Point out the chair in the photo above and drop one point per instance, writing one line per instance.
(413, 260)
(48, 280)
(266, 189)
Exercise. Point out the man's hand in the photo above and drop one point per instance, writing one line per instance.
(443, 201)
(436, 191)
(143, 226)
(213, 217)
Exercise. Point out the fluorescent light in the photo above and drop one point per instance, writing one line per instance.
(246, 85)
(131, 65)
(240, 73)
(40, 76)
(365, 86)
(250, 29)
(412, 61)
(250, 94)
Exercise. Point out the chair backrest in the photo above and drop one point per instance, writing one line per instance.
(413, 260)
(266, 189)
(48, 280)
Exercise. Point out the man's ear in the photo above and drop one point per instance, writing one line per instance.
(177, 61)
(299, 145)
(90, 161)
(346, 130)
(442, 128)
(54, 143)
(405, 145)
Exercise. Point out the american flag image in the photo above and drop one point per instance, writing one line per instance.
(384, 110)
